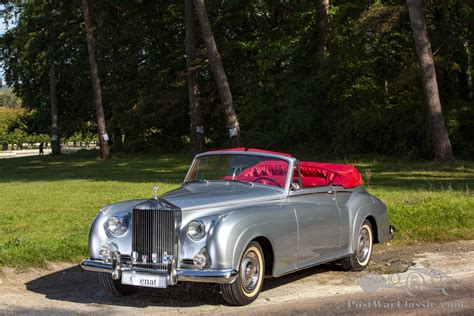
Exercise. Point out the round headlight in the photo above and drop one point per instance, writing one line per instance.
(117, 225)
(196, 229)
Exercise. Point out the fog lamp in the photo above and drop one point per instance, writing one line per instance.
(199, 260)
(105, 253)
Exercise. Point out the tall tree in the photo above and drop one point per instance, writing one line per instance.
(219, 73)
(197, 129)
(323, 30)
(468, 70)
(434, 113)
(55, 140)
(96, 87)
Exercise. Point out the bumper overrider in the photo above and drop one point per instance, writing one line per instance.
(170, 271)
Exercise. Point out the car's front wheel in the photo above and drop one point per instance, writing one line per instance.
(360, 259)
(115, 286)
(246, 288)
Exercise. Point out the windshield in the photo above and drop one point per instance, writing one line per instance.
(239, 167)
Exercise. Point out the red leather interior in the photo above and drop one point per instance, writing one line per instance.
(312, 173)
(267, 168)
(271, 172)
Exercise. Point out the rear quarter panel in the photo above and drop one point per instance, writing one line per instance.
(356, 206)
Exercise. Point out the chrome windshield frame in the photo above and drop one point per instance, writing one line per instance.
(290, 160)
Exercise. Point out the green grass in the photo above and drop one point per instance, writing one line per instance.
(426, 201)
(47, 203)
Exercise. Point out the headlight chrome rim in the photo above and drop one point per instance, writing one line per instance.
(117, 225)
(196, 229)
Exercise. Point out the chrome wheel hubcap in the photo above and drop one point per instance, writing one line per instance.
(364, 245)
(249, 271)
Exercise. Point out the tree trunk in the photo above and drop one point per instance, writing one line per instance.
(323, 31)
(468, 71)
(434, 113)
(219, 74)
(99, 109)
(55, 140)
(197, 129)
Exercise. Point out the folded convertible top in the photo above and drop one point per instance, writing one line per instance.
(335, 174)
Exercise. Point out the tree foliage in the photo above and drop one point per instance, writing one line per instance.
(13, 129)
(8, 99)
(366, 99)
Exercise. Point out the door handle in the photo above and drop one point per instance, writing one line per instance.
(331, 191)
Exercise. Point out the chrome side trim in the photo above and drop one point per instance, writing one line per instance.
(207, 276)
(178, 275)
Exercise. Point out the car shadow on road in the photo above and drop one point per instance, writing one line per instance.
(78, 286)
(272, 283)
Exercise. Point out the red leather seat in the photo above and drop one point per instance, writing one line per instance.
(271, 172)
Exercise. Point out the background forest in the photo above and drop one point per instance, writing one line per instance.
(363, 97)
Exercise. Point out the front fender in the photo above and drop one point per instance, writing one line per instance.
(274, 221)
(98, 235)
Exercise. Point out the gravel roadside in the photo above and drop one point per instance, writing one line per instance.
(388, 286)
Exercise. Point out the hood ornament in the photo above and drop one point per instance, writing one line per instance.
(155, 192)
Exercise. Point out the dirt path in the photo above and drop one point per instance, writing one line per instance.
(428, 278)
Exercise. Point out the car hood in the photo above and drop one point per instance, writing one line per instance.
(214, 194)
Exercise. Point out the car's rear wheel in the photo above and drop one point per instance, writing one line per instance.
(361, 257)
(246, 288)
(115, 286)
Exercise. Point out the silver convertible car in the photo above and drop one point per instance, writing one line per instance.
(241, 214)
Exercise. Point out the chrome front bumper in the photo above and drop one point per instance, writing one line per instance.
(173, 274)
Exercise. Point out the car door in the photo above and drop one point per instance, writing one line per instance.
(319, 223)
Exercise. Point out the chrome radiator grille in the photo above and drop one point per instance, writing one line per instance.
(154, 231)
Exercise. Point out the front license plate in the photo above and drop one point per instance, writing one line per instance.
(146, 280)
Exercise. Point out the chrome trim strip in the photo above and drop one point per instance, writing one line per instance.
(96, 266)
(183, 275)
(207, 276)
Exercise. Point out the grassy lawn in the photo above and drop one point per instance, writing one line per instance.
(47, 203)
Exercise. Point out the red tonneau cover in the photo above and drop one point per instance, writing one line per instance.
(312, 173)
(320, 173)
